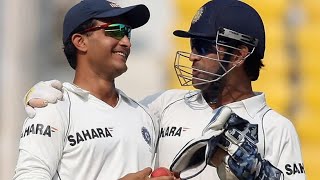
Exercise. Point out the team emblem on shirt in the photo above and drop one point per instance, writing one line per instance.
(146, 135)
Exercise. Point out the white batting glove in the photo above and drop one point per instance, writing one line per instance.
(192, 159)
(41, 94)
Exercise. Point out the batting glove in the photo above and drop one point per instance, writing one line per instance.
(41, 94)
(192, 159)
(244, 161)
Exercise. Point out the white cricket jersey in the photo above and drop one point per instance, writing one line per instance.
(84, 138)
(183, 115)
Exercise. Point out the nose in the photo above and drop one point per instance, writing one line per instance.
(194, 57)
(125, 41)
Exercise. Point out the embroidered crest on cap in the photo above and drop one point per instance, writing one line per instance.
(112, 4)
(198, 15)
(146, 135)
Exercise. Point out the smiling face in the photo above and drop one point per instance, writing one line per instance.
(105, 55)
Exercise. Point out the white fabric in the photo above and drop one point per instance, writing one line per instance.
(200, 147)
(49, 91)
(84, 138)
(183, 115)
(181, 119)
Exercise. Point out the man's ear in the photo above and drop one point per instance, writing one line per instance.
(79, 42)
(243, 52)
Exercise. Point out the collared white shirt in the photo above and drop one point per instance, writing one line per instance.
(183, 115)
(84, 138)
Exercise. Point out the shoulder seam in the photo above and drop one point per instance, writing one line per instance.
(264, 136)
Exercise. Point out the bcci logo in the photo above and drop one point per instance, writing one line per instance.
(146, 135)
(114, 5)
(198, 15)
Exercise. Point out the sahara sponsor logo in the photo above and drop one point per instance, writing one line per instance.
(38, 129)
(172, 131)
(89, 134)
(295, 168)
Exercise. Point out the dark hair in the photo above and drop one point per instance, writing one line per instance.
(69, 49)
(252, 66)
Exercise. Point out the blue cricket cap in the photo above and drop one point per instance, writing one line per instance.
(135, 16)
(231, 14)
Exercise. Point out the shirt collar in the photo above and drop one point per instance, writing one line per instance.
(244, 108)
(250, 106)
(85, 94)
(76, 89)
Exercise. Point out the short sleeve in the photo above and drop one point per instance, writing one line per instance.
(41, 144)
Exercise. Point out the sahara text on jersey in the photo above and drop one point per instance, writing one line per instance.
(89, 134)
(295, 168)
(172, 131)
(38, 129)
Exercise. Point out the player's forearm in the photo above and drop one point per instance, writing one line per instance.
(30, 166)
(31, 173)
(30, 176)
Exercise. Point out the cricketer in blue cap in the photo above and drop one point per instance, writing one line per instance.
(234, 15)
(97, 131)
(86, 10)
(226, 23)
(136, 16)
(227, 39)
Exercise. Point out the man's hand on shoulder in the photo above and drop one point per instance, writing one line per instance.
(41, 94)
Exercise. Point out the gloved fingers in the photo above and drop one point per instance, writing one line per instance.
(55, 83)
(45, 92)
(37, 103)
(227, 145)
(238, 151)
(49, 94)
(243, 159)
(219, 120)
(41, 94)
(30, 111)
(241, 134)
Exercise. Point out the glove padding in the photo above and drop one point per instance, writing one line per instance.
(41, 94)
(244, 161)
(192, 159)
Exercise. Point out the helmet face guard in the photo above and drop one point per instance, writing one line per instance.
(225, 38)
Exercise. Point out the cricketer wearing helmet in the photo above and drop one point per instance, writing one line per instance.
(227, 124)
(227, 39)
